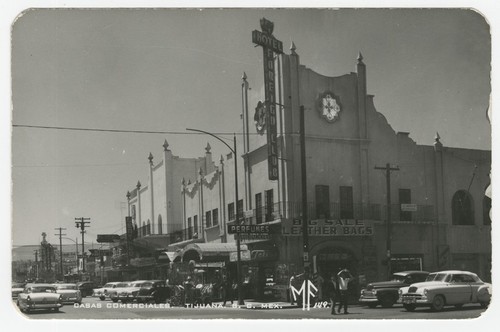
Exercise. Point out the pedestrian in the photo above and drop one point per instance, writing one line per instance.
(332, 289)
(320, 282)
(290, 285)
(344, 277)
(227, 291)
(188, 291)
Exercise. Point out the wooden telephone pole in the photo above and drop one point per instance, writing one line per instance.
(388, 170)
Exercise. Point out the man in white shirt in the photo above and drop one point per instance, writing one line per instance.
(344, 277)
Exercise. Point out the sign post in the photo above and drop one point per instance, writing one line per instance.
(270, 45)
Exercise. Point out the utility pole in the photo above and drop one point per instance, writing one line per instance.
(388, 170)
(305, 215)
(60, 250)
(36, 264)
(82, 224)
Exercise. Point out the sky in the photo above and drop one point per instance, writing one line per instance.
(169, 69)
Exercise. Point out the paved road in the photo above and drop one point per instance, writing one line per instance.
(92, 308)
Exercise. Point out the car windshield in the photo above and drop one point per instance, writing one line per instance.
(17, 285)
(109, 285)
(147, 285)
(138, 284)
(66, 287)
(398, 277)
(436, 277)
(122, 284)
(42, 289)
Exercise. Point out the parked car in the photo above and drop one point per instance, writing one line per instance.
(128, 293)
(39, 297)
(16, 289)
(103, 292)
(155, 291)
(69, 293)
(386, 293)
(113, 293)
(446, 288)
(86, 288)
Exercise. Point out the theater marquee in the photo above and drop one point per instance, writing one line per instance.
(322, 227)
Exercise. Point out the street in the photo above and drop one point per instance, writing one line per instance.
(93, 308)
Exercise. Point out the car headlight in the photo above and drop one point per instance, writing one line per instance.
(374, 292)
(400, 292)
(425, 291)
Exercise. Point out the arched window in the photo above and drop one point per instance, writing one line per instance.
(143, 228)
(486, 210)
(160, 226)
(462, 208)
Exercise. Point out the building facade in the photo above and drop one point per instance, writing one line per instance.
(356, 167)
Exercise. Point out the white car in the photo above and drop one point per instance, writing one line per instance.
(103, 292)
(127, 294)
(446, 288)
(39, 297)
(69, 293)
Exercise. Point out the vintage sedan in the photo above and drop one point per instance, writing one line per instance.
(446, 288)
(69, 292)
(103, 292)
(155, 291)
(86, 288)
(385, 293)
(17, 288)
(39, 297)
(127, 294)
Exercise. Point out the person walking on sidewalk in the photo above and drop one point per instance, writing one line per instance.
(344, 277)
(332, 289)
(290, 285)
(227, 291)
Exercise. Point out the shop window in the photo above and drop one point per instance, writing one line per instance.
(258, 208)
(486, 211)
(208, 219)
(195, 226)
(215, 217)
(404, 198)
(322, 202)
(190, 230)
(160, 226)
(269, 196)
(462, 209)
(346, 203)
(240, 208)
(230, 211)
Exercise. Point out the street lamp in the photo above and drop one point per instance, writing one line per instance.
(238, 245)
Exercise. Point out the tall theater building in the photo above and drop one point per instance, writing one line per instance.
(356, 166)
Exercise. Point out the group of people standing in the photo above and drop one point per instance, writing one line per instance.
(335, 290)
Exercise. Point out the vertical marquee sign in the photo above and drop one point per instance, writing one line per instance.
(270, 45)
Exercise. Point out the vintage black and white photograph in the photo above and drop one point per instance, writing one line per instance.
(251, 163)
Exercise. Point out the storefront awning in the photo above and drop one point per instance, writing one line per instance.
(212, 250)
(170, 255)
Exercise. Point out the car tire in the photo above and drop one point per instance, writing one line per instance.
(56, 309)
(102, 297)
(484, 304)
(114, 300)
(438, 303)
(409, 307)
(372, 305)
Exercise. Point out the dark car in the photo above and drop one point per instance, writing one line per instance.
(385, 293)
(86, 288)
(155, 291)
